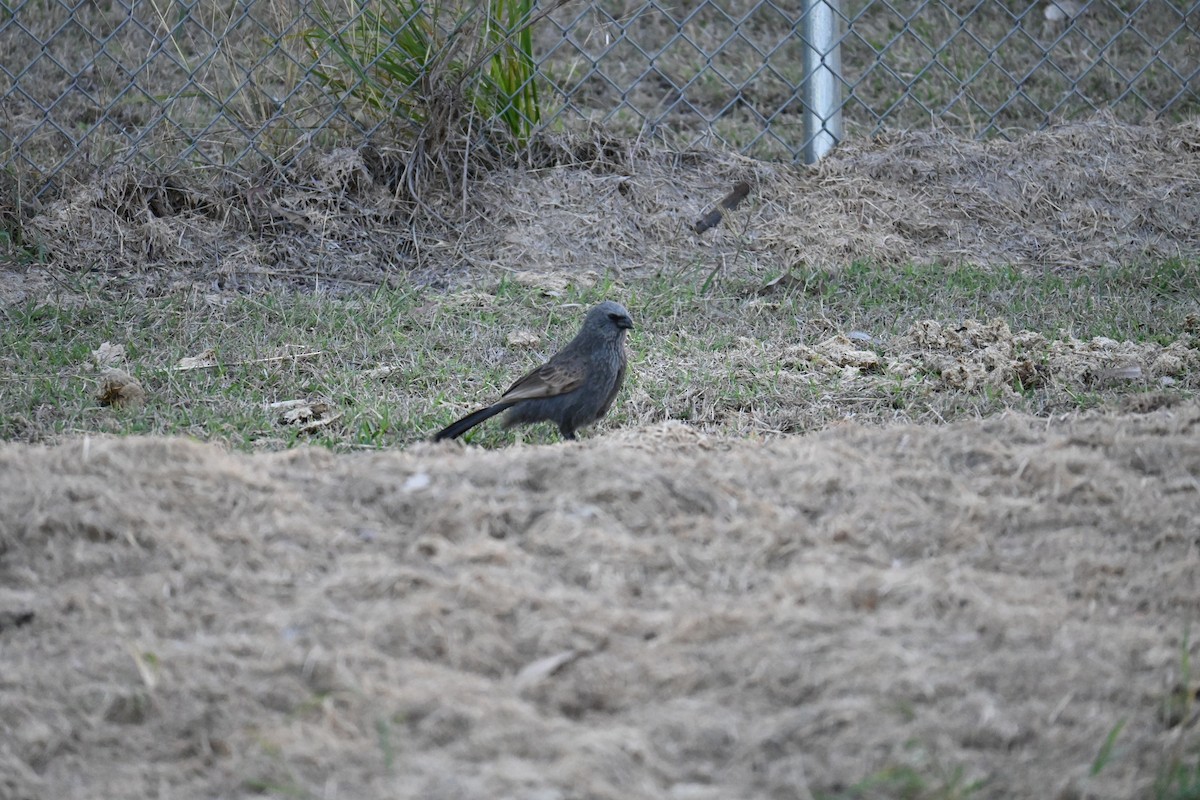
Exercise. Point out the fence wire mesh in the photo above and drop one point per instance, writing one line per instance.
(89, 83)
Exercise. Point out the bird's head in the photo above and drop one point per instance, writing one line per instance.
(610, 317)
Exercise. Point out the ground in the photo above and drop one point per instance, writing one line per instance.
(738, 605)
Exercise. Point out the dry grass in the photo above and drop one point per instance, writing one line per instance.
(967, 610)
(1082, 196)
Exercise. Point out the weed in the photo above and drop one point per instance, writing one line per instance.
(1178, 781)
(1106, 749)
(428, 63)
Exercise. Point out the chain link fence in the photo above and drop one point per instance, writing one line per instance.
(236, 84)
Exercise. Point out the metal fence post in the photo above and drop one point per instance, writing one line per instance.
(821, 91)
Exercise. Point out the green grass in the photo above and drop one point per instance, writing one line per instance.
(724, 360)
(924, 778)
(1138, 303)
(1179, 781)
(909, 783)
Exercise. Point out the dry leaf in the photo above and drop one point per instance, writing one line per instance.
(537, 671)
(108, 354)
(843, 352)
(306, 415)
(551, 284)
(523, 338)
(205, 360)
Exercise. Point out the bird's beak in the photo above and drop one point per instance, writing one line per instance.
(625, 322)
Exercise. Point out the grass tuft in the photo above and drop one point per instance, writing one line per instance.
(437, 67)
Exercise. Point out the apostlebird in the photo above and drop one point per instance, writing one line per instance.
(574, 388)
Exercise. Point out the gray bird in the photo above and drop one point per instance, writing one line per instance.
(574, 388)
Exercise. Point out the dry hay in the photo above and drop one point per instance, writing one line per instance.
(652, 614)
(1082, 195)
(234, 233)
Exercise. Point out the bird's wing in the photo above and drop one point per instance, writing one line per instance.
(549, 380)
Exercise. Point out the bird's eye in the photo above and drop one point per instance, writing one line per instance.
(615, 317)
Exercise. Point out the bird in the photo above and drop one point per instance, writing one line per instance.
(574, 388)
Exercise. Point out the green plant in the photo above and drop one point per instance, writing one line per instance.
(910, 783)
(1179, 781)
(1179, 776)
(1106, 749)
(433, 64)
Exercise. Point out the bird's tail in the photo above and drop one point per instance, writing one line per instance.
(454, 430)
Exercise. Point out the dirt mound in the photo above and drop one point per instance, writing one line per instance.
(1083, 195)
(651, 614)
